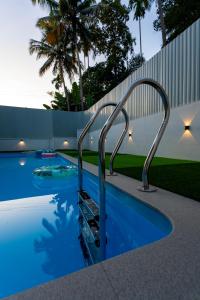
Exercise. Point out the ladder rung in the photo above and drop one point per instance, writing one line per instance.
(89, 204)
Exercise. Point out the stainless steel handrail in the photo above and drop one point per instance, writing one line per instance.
(101, 146)
(85, 131)
(120, 141)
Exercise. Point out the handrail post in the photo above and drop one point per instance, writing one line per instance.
(102, 197)
(80, 167)
(145, 186)
(119, 143)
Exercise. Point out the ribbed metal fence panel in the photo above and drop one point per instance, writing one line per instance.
(176, 67)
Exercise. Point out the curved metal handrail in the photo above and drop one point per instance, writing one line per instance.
(85, 131)
(120, 141)
(148, 160)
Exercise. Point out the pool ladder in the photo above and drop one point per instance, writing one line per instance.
(97, 231)
(88, 210)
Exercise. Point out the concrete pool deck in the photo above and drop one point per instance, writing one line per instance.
(166, 269)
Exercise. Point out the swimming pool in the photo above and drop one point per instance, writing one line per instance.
(39, 225)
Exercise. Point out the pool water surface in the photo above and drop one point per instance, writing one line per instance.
(39, 226)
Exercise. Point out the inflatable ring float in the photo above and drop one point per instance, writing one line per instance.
(48, 154)
(45, 153)
(55, 171)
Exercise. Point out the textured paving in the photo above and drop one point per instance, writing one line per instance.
(167, 269)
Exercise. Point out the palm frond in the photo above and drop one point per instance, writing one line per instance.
(38, 47)
(46, 66)
(90, 10)
(44, 22)
(46, 3)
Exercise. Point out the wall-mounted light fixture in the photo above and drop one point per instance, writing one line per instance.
(21, 142)
(130, 135)
(187, 127)
(66, 142)
(187, 134)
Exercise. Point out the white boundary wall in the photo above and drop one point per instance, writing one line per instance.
(16, 144)
(176, 142)
(31, 129)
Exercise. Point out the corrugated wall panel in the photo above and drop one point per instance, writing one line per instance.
(176, 67)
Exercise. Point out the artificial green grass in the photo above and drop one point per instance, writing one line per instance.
(178, 176)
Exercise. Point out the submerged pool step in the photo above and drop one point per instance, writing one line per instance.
(89, 227)
(89, 204)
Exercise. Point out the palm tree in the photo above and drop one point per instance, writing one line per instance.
(77, 15)
(55, 47)
(139, 7)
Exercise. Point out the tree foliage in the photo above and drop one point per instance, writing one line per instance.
(111, 33)
(140, 7)
(178, 15)
(100, 79)
(59, 102)
(75, 94)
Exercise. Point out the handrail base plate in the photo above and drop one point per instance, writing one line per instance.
(113, 174)
(151, 189)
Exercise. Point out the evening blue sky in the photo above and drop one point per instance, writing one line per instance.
(20, 84)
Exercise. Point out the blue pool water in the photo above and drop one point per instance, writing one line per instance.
(39, 223)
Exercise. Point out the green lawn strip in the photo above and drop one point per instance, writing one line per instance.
(178, 176)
